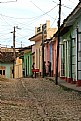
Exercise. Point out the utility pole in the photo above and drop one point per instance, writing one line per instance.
(13, 51)
(0, 49)
(21, 44)
(14, 56)
(43, 30)
(14, 42)
(59, 19)
(42, 51)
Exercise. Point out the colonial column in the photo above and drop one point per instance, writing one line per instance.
(65, 44)
(78, 59)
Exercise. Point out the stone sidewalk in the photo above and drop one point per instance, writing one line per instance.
(38, 99)
(65, 84)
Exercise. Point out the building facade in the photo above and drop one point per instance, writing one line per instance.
(26, 56)
(37, 38)
(6, 64)
(18, 68)
(70, 47)
(10, 67)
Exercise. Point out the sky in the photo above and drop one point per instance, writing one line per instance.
(28, 14)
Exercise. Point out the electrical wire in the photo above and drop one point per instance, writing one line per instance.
(4, 34)
(54, 21)
(64, 14)
(40, 9)
(5, 21)
(66, 6)
(40, 15)
(63, 5)
(8, 1)
(72, 2)
(19, 18)
(27, 21)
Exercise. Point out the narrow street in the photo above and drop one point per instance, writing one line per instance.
(38, 99)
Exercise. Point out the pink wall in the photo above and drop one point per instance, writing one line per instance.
(47, 46)
(54, 53)
(33, 48)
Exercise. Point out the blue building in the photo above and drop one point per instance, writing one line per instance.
(6, 64)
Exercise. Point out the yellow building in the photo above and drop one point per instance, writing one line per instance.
(18, 68)
(37, 38)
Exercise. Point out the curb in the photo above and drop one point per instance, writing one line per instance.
(64, 87)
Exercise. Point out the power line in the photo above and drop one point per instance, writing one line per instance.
(38, 17)
(5, 21)
(54, 21)
(26, 21)
(63, 5)
(4, 34)
(66, 6)
(18, 18)
(2, 45)
(41, 9)
(8, 1)
(72, 2)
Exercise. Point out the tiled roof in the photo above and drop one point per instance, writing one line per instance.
(6, 57)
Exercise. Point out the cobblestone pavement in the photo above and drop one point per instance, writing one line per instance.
(38, 99)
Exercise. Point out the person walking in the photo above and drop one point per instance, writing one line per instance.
(33, 67)
(44, 68)
(49, 68)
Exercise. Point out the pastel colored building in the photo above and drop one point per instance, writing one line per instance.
(37, 38)
(33, 54)
(18, 68)
(51, 54)
(54, 42)
(6, 64)
(26, 56)
(47, 53)
(70, 47)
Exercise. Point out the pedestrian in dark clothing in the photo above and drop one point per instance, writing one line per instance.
(44, 68)
(33, 67)
(49, 68)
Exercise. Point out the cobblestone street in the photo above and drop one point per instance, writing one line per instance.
(38, 99)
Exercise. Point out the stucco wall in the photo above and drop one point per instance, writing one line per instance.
(18, 68)
(28, 63)
(8, 71)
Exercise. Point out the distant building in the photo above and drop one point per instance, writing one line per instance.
(7, 63)
(26, 56)
(37, 38)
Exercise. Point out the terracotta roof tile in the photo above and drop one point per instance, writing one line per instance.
(6, 57)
